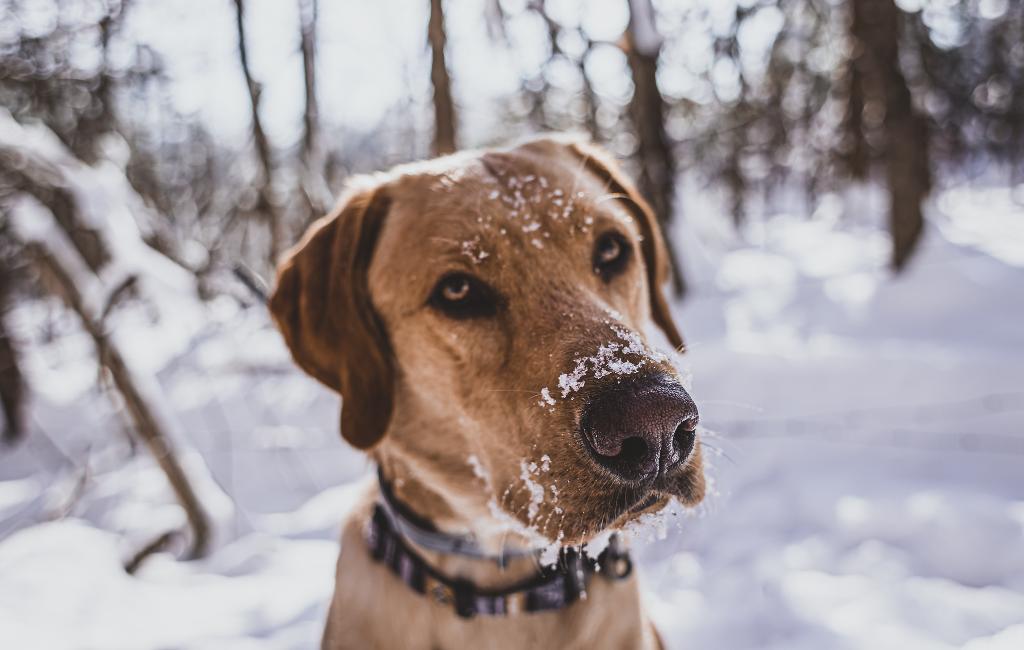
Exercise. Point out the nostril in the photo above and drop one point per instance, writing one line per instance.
(684, 438)
(634, 451)
(632, 459)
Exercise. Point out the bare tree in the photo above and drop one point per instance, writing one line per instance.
(102, 197)
(308, 10)
(856, 153)
(444, 107)
(875, 27)
(642, 44)
(314, 185)
(146, 423)
(267, 202)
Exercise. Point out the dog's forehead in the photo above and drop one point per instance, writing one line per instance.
(482, 206)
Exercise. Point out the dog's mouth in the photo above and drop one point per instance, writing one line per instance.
(684, 486)
(644, 504)
(650, 503)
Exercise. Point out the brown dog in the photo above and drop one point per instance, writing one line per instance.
(482, 316)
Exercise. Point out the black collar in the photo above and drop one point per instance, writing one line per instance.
(393, 526)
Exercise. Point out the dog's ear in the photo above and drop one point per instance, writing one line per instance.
(321, 304)
(656, 258)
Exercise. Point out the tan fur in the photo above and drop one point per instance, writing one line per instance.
(424, 392)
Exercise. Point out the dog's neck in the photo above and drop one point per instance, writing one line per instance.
(421, 532)
(429, 495)
(445, 553)
(455, 550)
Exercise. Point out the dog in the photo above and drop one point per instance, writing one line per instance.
(483, 317)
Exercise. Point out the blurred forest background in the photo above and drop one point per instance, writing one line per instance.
(123, 170)
(841, 182)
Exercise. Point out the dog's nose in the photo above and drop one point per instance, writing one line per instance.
(640, 428)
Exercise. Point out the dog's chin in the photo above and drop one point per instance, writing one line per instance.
(631, 503)
(652, 503)
(687, 488)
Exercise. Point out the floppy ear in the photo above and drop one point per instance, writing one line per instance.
(656, 258)
(322, 306)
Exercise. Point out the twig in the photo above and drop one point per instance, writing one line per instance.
(252, 281)
(116, 295)
(73, 497)
(155, 546)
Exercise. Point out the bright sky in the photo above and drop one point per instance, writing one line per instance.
(363, 48)
(373, 54)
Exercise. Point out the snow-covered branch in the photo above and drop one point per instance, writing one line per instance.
(104, 201)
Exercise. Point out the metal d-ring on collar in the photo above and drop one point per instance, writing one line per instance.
(393, 526)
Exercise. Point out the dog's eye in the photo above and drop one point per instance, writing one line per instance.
(611, 254)
(459, 295)
(455, 289)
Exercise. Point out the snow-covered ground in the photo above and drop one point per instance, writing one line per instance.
(868, 458)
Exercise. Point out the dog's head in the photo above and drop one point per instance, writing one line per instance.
(483, 317)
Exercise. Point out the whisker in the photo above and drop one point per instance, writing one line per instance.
(510, 390)
(742, 405)
(610, 196)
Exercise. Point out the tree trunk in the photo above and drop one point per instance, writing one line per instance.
(555, 31)
(642, 44)
(876, 27)
(100, 119)
(12, 384)
(444, 107)
(856, 155)
(267, 202)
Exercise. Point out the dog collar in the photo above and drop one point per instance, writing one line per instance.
(421, 532)
(554, 587)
